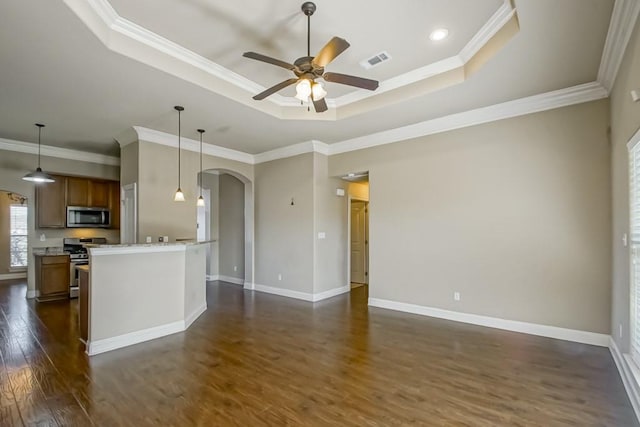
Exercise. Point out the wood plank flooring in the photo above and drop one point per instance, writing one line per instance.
(260, 360)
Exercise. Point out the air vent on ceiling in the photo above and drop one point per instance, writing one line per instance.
(375, 60)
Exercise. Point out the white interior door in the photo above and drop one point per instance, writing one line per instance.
(128, 222)
(358, 242)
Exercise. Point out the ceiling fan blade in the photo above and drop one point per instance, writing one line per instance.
(351, 80)
(330, 51)
(274, 89)
(320, 105)
(268, 60)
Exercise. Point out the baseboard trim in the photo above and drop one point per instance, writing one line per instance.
(331, 293)
(574, 335)
(10, 276)
(628, 379)
(125, 340)
(194, 315)
(305, 296)
(283, 292)
(229, 279)
(31, 293)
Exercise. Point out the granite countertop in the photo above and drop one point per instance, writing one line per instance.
(53, 251)
(142, 245)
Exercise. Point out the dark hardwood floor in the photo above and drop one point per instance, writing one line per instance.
(261, 360)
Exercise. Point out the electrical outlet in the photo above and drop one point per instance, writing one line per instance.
(456, 296)
(43, 238)
(148, 239)
(279, 276)
(166, 239)
(235, 268)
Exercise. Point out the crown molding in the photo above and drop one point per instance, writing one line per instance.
(163, 138)
(498, 20)
(130, 39)
(312, 146)
(61, 153)
(623, 19)
(532, 104)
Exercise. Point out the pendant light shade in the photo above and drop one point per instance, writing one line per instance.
(38, 176)
(200, 201)
(179, 196)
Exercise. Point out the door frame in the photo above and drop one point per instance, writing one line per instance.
(134, 187)
(358, 199)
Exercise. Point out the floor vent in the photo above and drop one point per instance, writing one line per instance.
(375, 60)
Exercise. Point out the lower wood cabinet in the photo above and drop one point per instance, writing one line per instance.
(52, 277)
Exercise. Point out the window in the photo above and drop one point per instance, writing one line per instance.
(18, 235)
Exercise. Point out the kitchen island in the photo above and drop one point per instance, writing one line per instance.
(139, 292)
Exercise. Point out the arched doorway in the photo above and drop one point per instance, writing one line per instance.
(228, 218)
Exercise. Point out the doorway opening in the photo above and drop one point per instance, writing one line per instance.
(358, 229)
(14, 213)
(227, 221)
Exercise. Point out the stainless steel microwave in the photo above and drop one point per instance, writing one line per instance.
(83, 217)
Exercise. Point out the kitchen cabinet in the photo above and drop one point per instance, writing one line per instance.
(87, 192)
(53, 198)
(77, 191)
(114, 203)
(50, 203)
(98, 194)
(52, 277)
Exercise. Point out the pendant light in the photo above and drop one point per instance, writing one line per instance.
(38, 176)
(200, 201)
(179, 196)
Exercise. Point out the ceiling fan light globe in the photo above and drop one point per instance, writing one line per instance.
(318, 91)
(303, 90)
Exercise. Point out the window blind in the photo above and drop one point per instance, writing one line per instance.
(18, 235)
(634, 204)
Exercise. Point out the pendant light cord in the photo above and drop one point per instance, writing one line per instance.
(39, 133)
(179, 132)
(200, 175)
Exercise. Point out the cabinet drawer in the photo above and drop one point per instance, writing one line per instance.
(55, 259)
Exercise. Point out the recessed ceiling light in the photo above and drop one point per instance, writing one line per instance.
(439, 34)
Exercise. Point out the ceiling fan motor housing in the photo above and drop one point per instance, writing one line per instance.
(305, 65)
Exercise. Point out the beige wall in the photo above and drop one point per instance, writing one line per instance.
(625, 121)
(13, 166)
(284, 233)
(129, 164)
(514, 215)
(158, 214)
(330, 218)
(231, 214)
(211, 182)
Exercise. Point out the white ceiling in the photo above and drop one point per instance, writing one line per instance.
(55, 70)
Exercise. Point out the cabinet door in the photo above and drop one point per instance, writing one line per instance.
(98, 194)
(50, 207)
(55, 275)
(77, 191)
(115, 204)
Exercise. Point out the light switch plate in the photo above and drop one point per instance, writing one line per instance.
(322, 235)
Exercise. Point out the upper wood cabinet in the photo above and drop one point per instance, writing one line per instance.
(99, 194)
(77, 191)
(87, 192)
(50, 203)
(53, 198)
(114, 203)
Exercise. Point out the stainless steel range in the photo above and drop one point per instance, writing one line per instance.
(78, 255)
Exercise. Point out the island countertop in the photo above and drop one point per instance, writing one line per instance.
(150, 245)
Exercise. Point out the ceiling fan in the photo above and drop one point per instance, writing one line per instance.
(308, 68)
